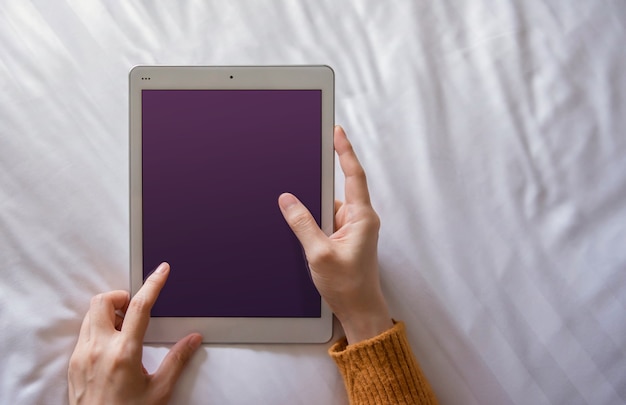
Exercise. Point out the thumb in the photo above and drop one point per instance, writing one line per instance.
(175, 361)
(301, 221)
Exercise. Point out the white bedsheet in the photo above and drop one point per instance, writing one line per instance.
(493, 135)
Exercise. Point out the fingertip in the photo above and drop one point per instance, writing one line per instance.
(341, 140)
(287, 201)
(341, 132)
(194, 341)
(162, 271)
(163, 268)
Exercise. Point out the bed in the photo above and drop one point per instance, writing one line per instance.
(494, 139)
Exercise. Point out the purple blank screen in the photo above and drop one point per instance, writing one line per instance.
(214, 163)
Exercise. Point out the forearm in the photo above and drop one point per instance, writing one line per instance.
(382, 370)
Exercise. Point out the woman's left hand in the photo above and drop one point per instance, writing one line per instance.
(106, 366)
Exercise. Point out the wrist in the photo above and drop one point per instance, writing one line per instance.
(366, 326)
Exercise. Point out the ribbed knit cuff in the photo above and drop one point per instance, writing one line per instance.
(382, 370)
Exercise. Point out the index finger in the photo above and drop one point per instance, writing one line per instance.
(356, 182)
(138, 314)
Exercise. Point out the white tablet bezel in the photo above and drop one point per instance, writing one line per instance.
(231, 330)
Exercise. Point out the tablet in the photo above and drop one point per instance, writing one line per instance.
(211, 149)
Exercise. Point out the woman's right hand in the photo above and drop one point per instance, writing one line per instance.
(344, 265)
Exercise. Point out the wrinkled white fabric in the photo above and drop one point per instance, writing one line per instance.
(493, 135)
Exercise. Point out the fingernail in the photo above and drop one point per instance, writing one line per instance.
(162, 268)
(194, 342)
(287, 201)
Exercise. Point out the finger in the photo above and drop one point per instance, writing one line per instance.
(176, 359)
(356, 182)
(138, 313)
(120, 314)
(301, 221)
(338, 205)
(102, 310)
(119, 319)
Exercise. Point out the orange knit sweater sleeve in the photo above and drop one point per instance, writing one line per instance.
(382, 370)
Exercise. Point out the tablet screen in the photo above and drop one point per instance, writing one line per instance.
(213, 165)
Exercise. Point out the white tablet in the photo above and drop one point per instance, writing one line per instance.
(211, 149)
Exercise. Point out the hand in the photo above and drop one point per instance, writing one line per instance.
(344, 265)
(106, 366)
